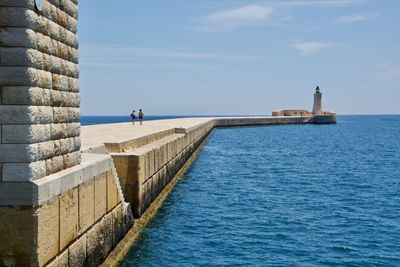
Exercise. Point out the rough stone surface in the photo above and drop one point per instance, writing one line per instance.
(86, 205)
(48, 231)
(100, 196)
(118, 223)
(21, 171)
(99, 241)
(39, 87)
(77, 252)
(112, 192)
(68, 217)
(60, 261)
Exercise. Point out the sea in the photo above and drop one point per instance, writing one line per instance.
(293, 195)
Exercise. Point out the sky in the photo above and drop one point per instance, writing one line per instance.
(236, 57)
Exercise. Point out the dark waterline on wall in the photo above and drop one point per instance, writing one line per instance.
(299, 195)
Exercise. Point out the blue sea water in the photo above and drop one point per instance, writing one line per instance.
(296, 195)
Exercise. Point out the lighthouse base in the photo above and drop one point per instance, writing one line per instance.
(323, 118)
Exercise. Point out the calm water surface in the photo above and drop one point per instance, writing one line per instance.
(303, 195)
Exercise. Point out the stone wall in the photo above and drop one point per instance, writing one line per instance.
(144, 172)
(74, 217)
(57, 207)
(291, 112)
(39, 88)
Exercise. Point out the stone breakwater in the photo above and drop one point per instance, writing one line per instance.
(148, 158)
(146, 165)
(68, 194)
(75, 217)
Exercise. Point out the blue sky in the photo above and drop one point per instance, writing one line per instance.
(228, 57)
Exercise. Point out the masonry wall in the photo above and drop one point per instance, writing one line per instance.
(145, 172)
(39, 89)
(55, 208)
(73, 218)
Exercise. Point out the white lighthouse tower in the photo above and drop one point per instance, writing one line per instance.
(317, 108)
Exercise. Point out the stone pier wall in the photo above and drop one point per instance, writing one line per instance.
(72, 218)
(146, 171)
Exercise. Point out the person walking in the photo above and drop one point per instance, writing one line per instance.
(141, 115)
(133, 116)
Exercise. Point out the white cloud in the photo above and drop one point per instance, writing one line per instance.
(231, 19)
(121, 55)
(309, 48)
(353, 18)
(317, 3)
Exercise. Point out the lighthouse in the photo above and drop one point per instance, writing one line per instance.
(317, 108)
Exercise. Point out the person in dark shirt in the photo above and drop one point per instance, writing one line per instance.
(133, 116)
(141, 115)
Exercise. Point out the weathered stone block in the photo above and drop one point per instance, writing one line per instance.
(19, 17)
(72, 54)
(118, 223)
(18, 37)
(25, 76)
(86, 206)
(60, 82)
(21, 57)
(25, 134)
(62, 146)
(71, 159)
(18, 3)
(112, 192)
(19, 152)
(69, 214)
(107, 229)
(46, 150)
(13, 114)
(27, 18)
(23, 171)
(155, 186)
(100, 196)
(25, 95)
(77, 252)
(45, 44)
(99, 241)
(48, 230)
(60, 261)
(57, 164)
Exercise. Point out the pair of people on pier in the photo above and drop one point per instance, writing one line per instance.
(141, 116)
